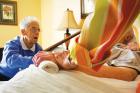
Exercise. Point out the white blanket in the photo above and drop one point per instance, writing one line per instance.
(36, 80)
(124, 58)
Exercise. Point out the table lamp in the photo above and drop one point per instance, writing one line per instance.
(68, 22)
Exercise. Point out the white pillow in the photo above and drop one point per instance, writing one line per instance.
(49, 66)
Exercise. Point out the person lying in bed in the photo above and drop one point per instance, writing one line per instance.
(18, 52)
(127, 72)
(61, 59)
(107, 71)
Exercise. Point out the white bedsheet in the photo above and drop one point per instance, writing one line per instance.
(36, 80)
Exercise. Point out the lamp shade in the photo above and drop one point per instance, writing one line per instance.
(68, 21)
(81, 23)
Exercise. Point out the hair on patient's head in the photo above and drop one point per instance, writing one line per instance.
(129, 36)
(27, 20)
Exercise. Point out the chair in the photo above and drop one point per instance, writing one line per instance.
(1, 50)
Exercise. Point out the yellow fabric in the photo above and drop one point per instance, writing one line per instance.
(136, 28)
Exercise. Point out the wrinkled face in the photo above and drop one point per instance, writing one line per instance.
(31, 33)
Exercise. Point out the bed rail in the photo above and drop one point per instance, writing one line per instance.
(61, 42)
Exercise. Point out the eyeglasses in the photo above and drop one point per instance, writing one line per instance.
(34, 30)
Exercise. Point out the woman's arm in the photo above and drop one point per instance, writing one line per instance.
(60, 58)
(14, 58)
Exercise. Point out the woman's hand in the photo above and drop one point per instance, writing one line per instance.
(42, 56)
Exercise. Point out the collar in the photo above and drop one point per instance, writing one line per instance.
(25, 47)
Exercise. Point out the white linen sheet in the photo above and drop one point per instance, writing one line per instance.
(36, 80)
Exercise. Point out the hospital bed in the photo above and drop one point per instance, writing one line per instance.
(37, 80)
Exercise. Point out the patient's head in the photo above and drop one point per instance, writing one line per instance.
(129, 36)
(133, 46)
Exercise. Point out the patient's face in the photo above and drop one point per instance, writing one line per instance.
(133, 46)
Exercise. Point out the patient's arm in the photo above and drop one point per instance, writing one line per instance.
(122, 73)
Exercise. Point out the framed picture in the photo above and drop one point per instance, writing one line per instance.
(87, 7)
(8, 12)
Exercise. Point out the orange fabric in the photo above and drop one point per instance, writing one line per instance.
(138, 88)
(81, 54)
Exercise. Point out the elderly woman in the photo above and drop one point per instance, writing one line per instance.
(18, 52)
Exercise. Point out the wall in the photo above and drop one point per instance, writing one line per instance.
(52, 13)
(49, 11)
(25, 8)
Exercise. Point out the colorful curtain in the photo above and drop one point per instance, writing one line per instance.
(110, 22)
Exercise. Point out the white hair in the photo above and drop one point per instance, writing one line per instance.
(26, 21)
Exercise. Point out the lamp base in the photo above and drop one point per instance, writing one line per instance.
(66, 35)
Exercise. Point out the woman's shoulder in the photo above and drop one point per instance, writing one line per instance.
(14, 42)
